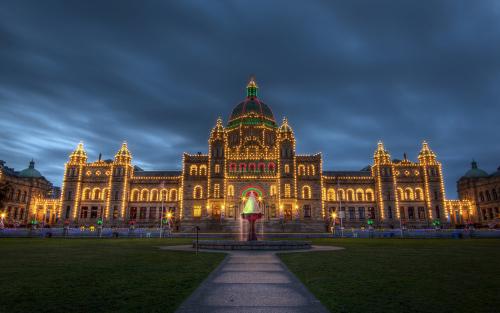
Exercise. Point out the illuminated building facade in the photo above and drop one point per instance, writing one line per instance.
(482, 191)
(24, 189)
(253, 153)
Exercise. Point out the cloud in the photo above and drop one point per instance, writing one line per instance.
(346, 74)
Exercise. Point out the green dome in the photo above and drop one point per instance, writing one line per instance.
(252, 111)
(30, 172)
(475, 172)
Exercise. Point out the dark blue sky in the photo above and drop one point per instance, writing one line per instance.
(158, 73)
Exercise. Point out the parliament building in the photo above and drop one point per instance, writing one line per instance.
(253, 153)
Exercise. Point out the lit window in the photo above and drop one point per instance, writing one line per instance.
(197, 192)
(306, 192)
(173, 195)
(230, 191)
(217, 168)
(287, 168)
(287, 190)
(272, 192)
(144, 195)
(193, 170)
(331, 194)
(203, 170)
(311, 170)
(197, 211)
(216, 191)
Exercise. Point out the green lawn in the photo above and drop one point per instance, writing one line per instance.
(85, 275)
(394, 275)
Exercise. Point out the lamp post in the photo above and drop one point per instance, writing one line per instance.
(2, 225)
(169, 218)
(334, 220)
(197, 238)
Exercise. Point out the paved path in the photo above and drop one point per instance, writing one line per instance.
(251, 281)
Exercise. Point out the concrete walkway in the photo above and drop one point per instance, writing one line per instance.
(251, 281)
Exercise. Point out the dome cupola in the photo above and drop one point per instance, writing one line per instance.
(252, 111)
(475, 172)
(30, 172)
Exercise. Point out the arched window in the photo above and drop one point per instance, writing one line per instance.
(331, 194)
(243, 167)
(369, 195)
(232, 167)
(216, 191)
(350, 195)
(193, 170)
(302, 170)
(197, 192)
(203, 170)
(271, 167)
(96, 194)
(154, 195)
(481, 196)
(145, 195)
(488, 197)
(409, 194)
(135, 195)
(173, 194)
(306, 192)
(311, 170)
(164, 195)
(25, 194)
(230, 191)
(287, 168)
(341, 194)
(86, 194)
(287, 190)
(217, 169)
(272, 190)
(251, 167)
(262, 167)
(400, 194)
(360, 195)
(418, 194)
(493, 193)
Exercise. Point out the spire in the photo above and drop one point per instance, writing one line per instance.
(285, 127)
(381, 155)
(78, 156)
(252, 87)
(123, 155)
(32, 164)
(218, 130)
(218, 124)
(426, 155)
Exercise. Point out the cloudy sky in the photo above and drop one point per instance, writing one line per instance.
(159, 73)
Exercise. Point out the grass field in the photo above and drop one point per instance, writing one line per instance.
(395, 275)
(85, 275)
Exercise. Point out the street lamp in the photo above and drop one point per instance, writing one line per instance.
(2, 225)
(334, 218)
